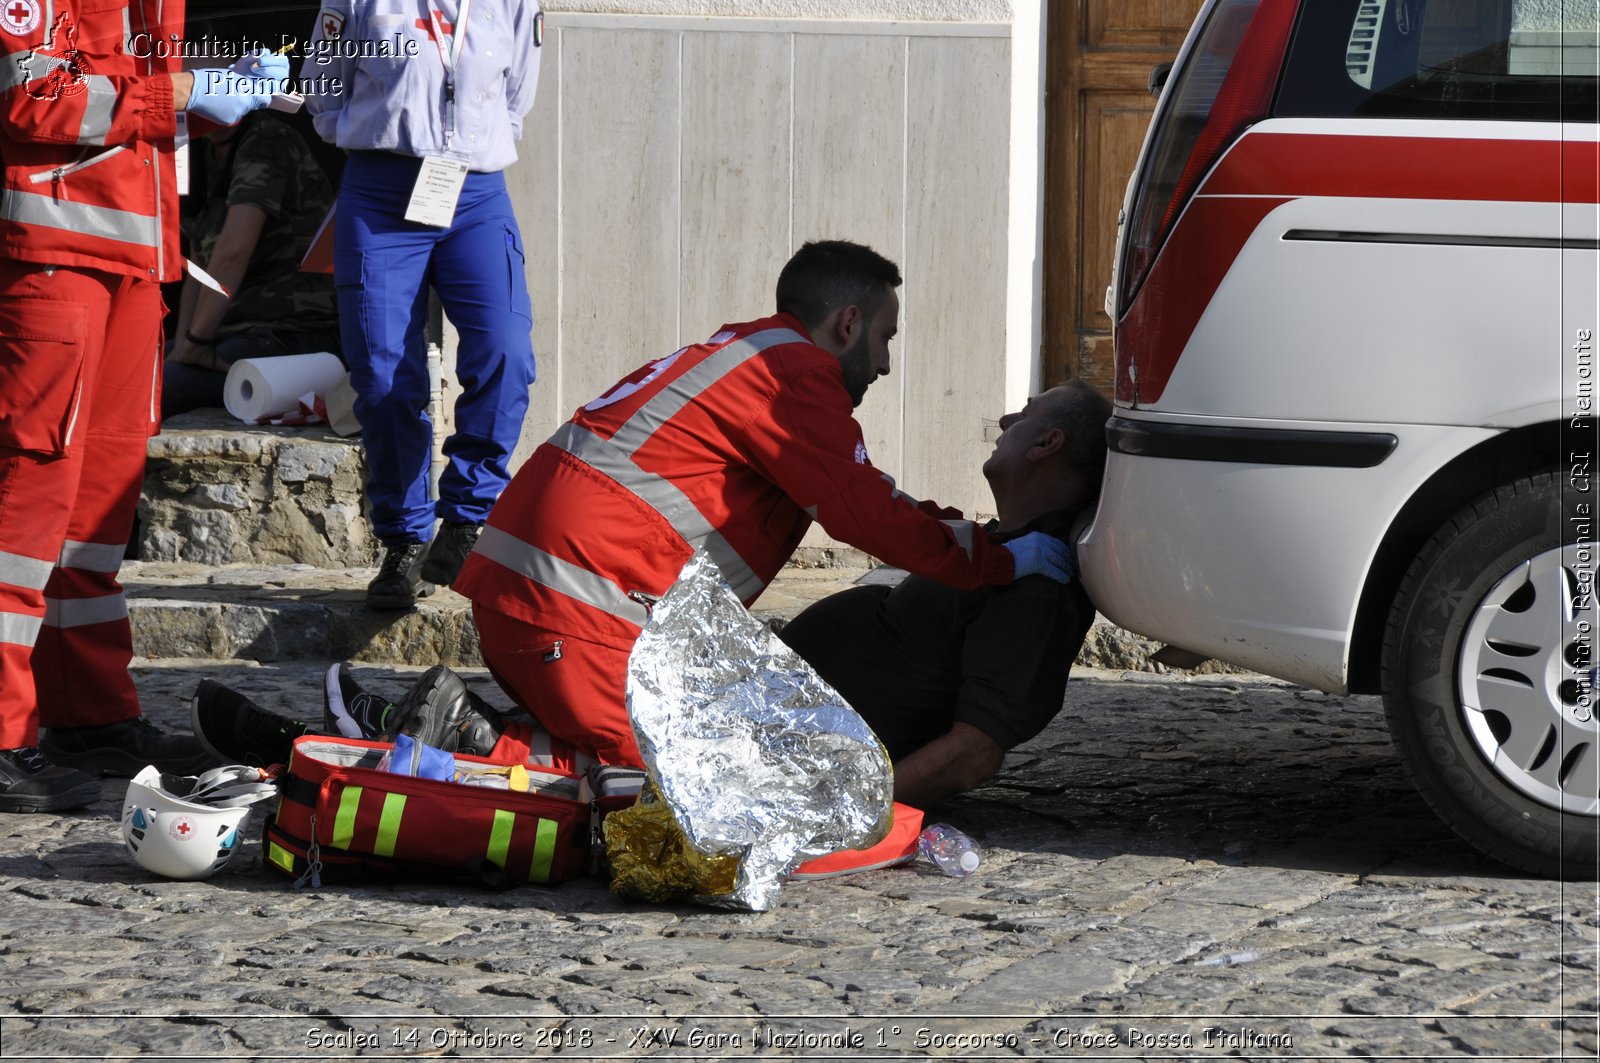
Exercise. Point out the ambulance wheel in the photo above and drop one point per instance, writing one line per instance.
(1489, 678)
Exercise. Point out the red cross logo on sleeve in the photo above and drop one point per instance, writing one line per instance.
(21, 17)
(332, 23)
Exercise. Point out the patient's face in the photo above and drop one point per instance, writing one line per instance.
(1017, 435)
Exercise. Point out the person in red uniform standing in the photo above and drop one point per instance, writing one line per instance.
(88, 232)
(734, 446)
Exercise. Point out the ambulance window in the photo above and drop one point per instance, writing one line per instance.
(1484, 59)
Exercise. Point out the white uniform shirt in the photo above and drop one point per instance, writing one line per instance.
(391, 80)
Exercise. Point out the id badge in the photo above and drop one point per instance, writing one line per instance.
(433, 198)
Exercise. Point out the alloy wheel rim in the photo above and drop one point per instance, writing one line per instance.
(1527, 675)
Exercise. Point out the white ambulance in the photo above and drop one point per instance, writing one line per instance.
(1356, 312)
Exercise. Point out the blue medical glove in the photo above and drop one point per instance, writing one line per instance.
(1038, 554)
(263, 63)
(225, 97)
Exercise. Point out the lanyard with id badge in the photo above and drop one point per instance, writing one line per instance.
(439, 181)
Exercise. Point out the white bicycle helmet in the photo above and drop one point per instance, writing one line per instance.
(186, 826)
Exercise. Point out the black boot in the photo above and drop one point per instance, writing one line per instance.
(448, 552)
(29, 783)
(399, 582)
(124, 748)
(441, 712)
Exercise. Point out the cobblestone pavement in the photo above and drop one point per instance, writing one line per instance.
(1177, 868)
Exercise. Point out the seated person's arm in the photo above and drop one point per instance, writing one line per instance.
(230, 258)
(186, 297)
(959, 760)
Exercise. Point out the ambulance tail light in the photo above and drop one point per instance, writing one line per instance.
(1226, 84)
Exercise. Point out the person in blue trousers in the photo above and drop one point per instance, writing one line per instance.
(428, 100)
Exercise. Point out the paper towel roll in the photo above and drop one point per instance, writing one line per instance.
(266, 387)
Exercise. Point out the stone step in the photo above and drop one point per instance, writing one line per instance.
(220, 493)
(272, 613)
(292, 612)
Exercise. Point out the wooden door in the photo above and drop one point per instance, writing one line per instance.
(1097, 107)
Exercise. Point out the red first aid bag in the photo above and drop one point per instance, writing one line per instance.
(340, 816)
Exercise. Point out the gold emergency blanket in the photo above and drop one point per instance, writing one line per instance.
(758, 764)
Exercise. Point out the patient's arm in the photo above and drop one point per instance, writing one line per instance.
(959, 760)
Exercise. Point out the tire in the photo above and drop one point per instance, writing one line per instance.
(1487, 679)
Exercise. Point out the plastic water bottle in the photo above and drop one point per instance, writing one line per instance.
(949, 850)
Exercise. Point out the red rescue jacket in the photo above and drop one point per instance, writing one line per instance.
(86, 134)
(734, 445)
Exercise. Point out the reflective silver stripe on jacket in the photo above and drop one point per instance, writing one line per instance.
(21, 67)
(964, 531)
(683, 390)
(19, 630)
(897, 493)
(97, 110)
(12, 70)
(92, 557)
(663, 496)
(614, 457)
(32, 208)
(558, 575)
(84, 612)
(21, 571)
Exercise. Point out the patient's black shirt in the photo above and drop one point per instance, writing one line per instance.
(916, 658)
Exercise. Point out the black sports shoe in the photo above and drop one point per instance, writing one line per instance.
(124, 748)
(441, 712)
(236, 730)
(349, 710)
(448, 552)
(29, 783)
(399, 583)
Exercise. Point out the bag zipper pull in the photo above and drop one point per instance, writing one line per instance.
(313, 871)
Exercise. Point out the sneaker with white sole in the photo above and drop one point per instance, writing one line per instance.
(349, 710)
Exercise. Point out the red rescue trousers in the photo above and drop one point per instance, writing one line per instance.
(79, 361)
(575, 689)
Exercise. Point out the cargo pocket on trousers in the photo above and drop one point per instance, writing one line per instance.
(41, 373)
(517, 275)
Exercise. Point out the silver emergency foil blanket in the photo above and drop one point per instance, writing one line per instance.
(754, 754)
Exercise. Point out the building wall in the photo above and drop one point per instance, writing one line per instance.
(673, 162)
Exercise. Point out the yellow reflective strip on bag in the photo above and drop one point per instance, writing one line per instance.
(280, 856)
(394, 805)
(344, 821)
(500, 837)
(544, 851)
